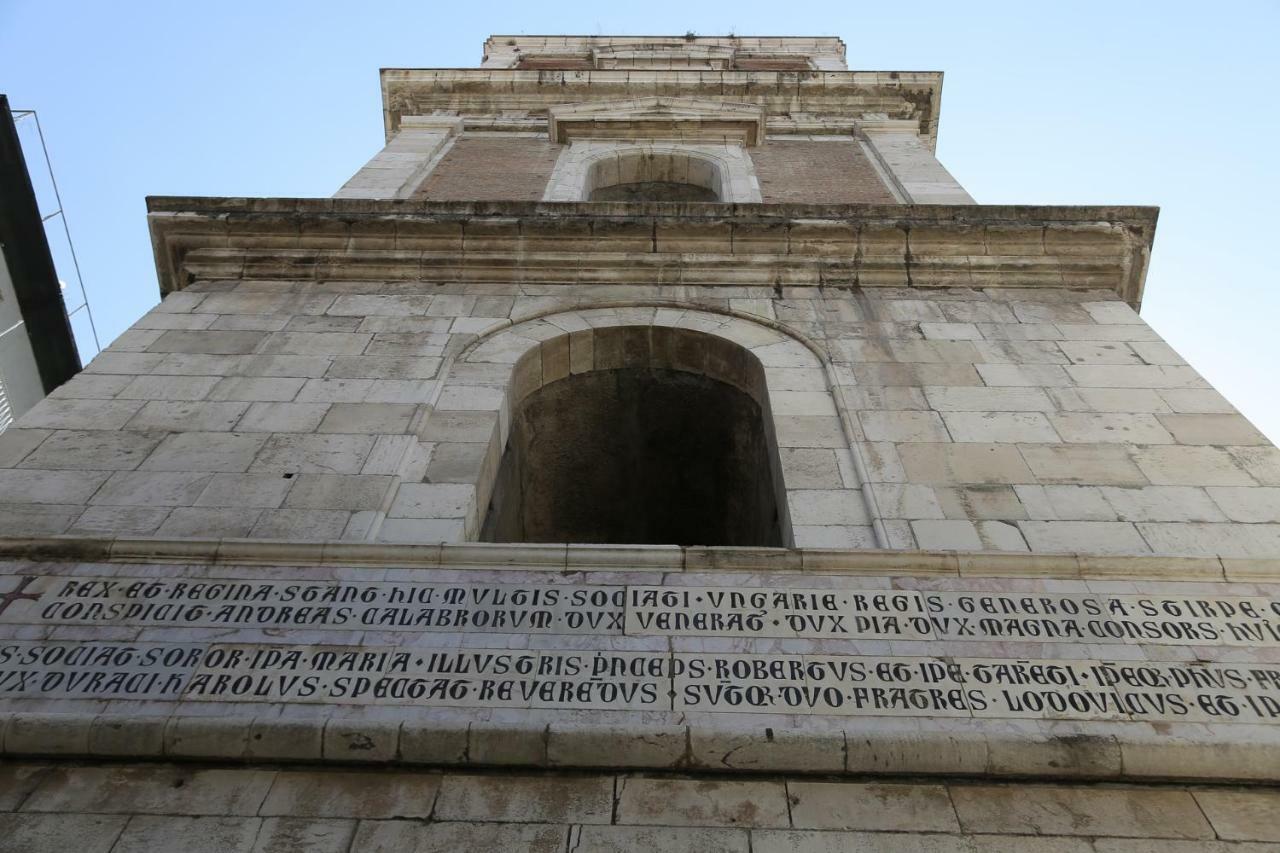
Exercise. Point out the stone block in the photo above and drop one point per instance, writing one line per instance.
(119, 520)
(433, 741)
(768, 749)
(383, 367)
(401, 836)
(314, 524)
(949, 464)
(999, 427)
(364, 741)
(38, 833)
(525, 799)
(641, 839)
(1110, 428)
(103, 450)
(365, 305)
(1261, 463)
(432, 500)
(810, 468)
(92, 386)
(1196, 401)
(1166, 503)
(366, 418)
(334, 391)
(902, 426)
(1086, 464)
(379, 794)
(62, 413)
(878, 807)
(1023, 375)
(222, 452)
(321, 454)
(282, 417)
(702, 802)
(895, 500)
(1086, 537)
(151, 488)
(207, 342)
(1190, 466)
(1213, 429)
(340, 491)
(257, 388)
(973, 502)
(276, 739)
(1134, 376)
(304, 366)
(48, 734)
(17, 781)
(175, 416)
(814, 841)
(1046, 810)
(949, 535)
(1243, 504)
(1242, 815)
(809, 431)
(955, 399)
(1099, 352)
(520, 743)
(209, 522)
(151, 789)
(827, 506)
(1065, 503)
(314, 343)
(1212, 540)
(573, 745)
(917, 375)
(285, 835)
(148, 833)
(245, 490)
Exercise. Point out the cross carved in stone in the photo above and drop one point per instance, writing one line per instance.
(17, 594)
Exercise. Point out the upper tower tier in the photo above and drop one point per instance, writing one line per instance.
(802, 85)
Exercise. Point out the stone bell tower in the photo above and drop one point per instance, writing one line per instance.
(652, 447)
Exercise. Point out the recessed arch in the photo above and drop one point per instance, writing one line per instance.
(654, 174)
(585, 166)
(481, 391)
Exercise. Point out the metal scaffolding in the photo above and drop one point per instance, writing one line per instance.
(59, 212)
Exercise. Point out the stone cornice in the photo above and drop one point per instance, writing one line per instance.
(690, 119)
(660, 558)
(771, 245)
(913, 95)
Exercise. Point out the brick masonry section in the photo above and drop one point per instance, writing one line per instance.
(826, 172)
(161, 807)
(479, 168)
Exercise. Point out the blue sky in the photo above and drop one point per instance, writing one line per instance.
(1171, 104)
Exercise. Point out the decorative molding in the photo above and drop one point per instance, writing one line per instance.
(688, 119)
(664, 558)
(912, 96)
(925, 246)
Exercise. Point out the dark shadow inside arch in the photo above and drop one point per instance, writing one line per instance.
(638, 455)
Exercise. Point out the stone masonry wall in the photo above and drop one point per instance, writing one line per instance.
(481, 168)
(817, 172)
(1011, 419)
(52, 807)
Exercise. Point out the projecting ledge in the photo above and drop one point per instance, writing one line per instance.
(871, 747)
(924, 246)
(490, 557)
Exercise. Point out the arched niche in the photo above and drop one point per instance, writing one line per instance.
(649, 174)
(478, 403)
(667, 439)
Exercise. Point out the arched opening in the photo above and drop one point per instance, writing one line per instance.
(652, 175)
(672, 443)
